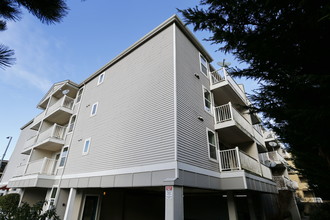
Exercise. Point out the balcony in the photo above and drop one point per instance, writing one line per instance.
(61, 111)
(222, 84)
(234, 159)
(37, 121)
(284, 183)
(235, 129)
(51, 139)
(272, 159)
(45, 166)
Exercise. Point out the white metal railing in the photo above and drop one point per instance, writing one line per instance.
(42, 166)
(65, 101)
(30, 142)
(218, 76)
(222, 75)
(55, 131)
(229, 160)
(223, 113)
(227, 112)
(234, 159)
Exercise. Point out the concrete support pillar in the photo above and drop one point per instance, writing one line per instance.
(70, 204)
(174, 209)
(232, 212)
(251, 206)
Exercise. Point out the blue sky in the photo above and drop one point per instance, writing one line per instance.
(93, 33)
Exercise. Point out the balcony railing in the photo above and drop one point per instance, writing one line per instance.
(56, 131)
(44, 166)
(221, 75)
(65, 102)
(284, 183)
(30, 142)
(227, 112)
(276, 157)
(234, 159)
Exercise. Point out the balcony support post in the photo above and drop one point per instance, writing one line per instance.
(238, 158)
(219, 157)
(232, 212)
(231, 111)
(43, 165)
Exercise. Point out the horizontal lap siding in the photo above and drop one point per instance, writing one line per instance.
(134, 124)
(192, 139)
(16, 158)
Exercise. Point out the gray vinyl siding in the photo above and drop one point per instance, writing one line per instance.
(191, 136)
(134, 123)
(16, 158)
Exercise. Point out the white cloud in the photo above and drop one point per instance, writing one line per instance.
(35, 66)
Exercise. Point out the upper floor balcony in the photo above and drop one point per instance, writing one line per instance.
(234, 159)
(60, 111)
(222, 83)
(52, 139)
(272, 159)
(284, 183)
(45, 166)
(235, 128)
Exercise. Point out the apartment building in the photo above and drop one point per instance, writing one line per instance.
(276, 160)
(156, 133)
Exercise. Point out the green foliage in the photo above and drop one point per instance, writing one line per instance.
(8, 206)
(9, 210)
(284, 42)
(47, 11)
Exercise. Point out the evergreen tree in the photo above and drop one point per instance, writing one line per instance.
(286, 44)
(47, 11)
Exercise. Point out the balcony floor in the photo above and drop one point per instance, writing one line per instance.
(231, 133)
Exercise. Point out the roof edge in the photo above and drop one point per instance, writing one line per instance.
(173, 19)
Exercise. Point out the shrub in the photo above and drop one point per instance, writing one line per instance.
(9, 209)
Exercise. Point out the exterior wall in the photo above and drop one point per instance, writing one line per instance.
(33, 195)
(17, 160)
(134, 126)
(191, 132)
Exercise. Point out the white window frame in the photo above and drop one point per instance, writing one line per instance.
(70, 123)
(208, 110)
(52, 199)
(201, 58)
(84, 147)
(61, 156)
(101, 78)
(98, 208)
(96, 105)
(209, 144)
(78, 98)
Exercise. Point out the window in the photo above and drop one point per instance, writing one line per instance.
(207, 100)
(87, 144)
(203, 64)
(63, 156)
(52, 197)
(211, 144)
(101, 79)
(94, 109)
(79, 95)
(73, 120)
